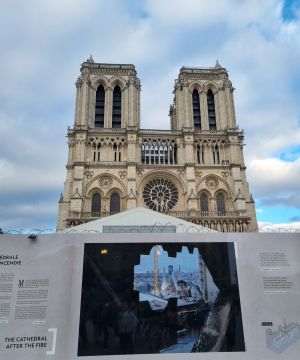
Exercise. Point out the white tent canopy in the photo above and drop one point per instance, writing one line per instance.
(132, 219)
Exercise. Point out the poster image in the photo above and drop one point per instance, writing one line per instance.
(147, 298)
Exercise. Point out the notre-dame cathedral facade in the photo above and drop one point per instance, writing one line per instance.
(194, 171)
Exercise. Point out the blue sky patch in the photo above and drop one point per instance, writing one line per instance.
(290, 154)
(289, 9)
(277, 214)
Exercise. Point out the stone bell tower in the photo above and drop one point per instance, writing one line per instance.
(203, 110)
(103, 139)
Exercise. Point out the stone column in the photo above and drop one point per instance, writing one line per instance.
(229, 105)
(204, 112)
(125, 107)
(136, 106)
(78, 101)
(68, 185)
(71, 144)
(133, 102)
(223, 110)
(108, 108)
(213, 205)
(84, 104)
(180, 107)
(219, 124)
(188, 149)
(235, 150)
(209, 154)
(180, 151)
(138, 95)
(188, 108)
(130, 103)
(91, 106)
(233, 108)
(192, 199)
(132, 160)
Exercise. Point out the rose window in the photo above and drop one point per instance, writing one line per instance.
(160, 195)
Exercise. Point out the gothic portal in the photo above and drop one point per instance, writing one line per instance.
(194, 171)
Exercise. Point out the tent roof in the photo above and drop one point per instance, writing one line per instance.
(138, 217)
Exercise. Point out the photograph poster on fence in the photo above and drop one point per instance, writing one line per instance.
(147, 298)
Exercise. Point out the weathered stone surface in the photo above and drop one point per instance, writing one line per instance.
(124, 160)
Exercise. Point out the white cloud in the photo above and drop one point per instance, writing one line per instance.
(235, 13)
(22, 178)
(281, 227)
(276, 182)
(276, 173)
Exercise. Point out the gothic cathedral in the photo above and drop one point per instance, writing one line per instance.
(194, 171)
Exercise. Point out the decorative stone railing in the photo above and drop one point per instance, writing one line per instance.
(228, 221)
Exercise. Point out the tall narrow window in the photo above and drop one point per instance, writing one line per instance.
(175, 153)
(196, 110)
(115, 151)
(99, 109)
(204, 204)
(114, 203)
(117, 107)
(220, 204)
(96, 204)
(200, 154)
(96, 152)
(216, 154)
(211, 110)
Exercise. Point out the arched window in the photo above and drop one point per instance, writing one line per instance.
(211, 110)
(96, 204)
(99, 108)
(117, 107)
(114, 203)
(196, 110)
(204, 203)
(221, 203)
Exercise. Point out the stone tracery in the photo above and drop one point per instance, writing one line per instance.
(160, 194)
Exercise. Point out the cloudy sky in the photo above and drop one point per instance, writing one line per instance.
(43, 43)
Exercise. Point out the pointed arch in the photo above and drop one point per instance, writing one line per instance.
(117, 81)
(96, 204)
(117, 107)
(100, 107)
(211, 110)
(220, 201)
(204, 203)
(115, 203)
(196, 109)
